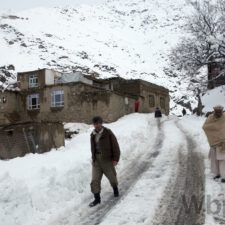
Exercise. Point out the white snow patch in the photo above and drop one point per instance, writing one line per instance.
(213, 97)
(214, 191)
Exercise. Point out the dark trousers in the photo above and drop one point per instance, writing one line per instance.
(100, 167)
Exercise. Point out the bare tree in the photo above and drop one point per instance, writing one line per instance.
(206, 40)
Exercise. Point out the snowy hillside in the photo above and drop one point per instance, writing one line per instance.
(129, 38)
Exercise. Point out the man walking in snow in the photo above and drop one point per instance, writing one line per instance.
(214, 128)
(158, 113)
(105, 156)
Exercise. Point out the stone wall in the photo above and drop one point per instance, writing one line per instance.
(10, 106)
(18, 140)
(131, 87)
(144, 92)
(81, 103)
(161, 98)
(23, 79)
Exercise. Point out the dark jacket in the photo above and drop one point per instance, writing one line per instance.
(108, 144)
(184, 112)
(158, 113)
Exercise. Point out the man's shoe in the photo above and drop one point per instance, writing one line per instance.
(96, 201)
(216, 177)
(116, 192)
(223, 180)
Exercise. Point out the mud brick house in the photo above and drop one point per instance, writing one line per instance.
(149, 95)
(19, 136)
(49, 98)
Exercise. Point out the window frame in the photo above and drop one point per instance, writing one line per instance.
(32, 78)
(152, 104)
(54, 102)
(30, 106)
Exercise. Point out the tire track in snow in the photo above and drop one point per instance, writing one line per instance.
(186, 187)
(128, 179)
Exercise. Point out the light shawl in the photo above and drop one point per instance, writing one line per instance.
(215, 130)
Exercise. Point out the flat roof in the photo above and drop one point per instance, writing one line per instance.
(32, 71)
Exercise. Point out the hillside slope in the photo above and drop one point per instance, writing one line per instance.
(131, 39)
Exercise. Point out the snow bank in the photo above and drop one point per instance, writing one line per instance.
(214, 190)
(213, 97)
(53, 188)
(39, 189)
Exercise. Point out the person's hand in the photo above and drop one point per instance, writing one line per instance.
(115, 163)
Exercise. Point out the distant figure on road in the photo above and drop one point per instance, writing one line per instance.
(105, 156)
(158, 113)
(184, 112)
(136, 106)
(214, 128)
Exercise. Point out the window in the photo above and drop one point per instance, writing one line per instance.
(4, 99)
(33, 81)
(57, 98)
(162, 103)
(9, 132)
(33, 102)
(152, 100)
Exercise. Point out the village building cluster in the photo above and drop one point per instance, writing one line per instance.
(33, 111)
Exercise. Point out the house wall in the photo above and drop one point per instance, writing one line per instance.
(131, 87)
(18, 140)
(10, 108)
(158, 93)
(81, 103)
(142, 90)
(50, 76)
(23, 79)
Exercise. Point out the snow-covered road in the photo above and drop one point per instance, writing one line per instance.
(162, 170)
(186, 178)
(186, 186)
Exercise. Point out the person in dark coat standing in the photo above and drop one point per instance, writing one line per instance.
(184, 112)
(158, 113)
(105, 152)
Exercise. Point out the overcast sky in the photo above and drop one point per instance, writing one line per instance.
(17, 5)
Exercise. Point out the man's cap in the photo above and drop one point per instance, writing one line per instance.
(97, 119)
(218, 108)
